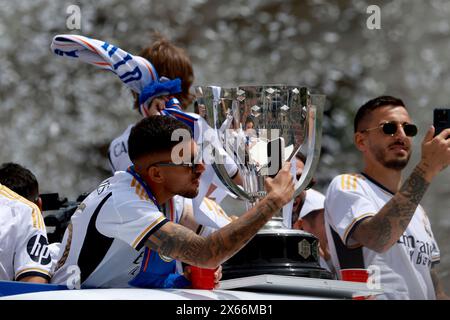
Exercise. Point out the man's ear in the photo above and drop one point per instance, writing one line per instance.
(154, 174)
(360, 141)
(38, 202)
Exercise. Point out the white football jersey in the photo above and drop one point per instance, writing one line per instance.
(118, 152)
(24, 248)
(105, 239)
(404, 270)
(120, 161)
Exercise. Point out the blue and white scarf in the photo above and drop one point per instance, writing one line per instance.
(136, 72)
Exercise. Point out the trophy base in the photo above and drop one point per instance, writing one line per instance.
(279, 251)
(235, 273)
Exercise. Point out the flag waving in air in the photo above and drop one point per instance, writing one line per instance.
(136, 72)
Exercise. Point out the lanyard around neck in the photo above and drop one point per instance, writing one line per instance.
(131, 171)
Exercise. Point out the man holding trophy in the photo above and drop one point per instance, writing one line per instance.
(134, 197)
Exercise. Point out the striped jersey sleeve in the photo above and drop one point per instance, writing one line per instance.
(347, 203)
(31, 255)
(130, 215)
(213, 214)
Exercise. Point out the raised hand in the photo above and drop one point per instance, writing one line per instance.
(281, 188)
(435, 153)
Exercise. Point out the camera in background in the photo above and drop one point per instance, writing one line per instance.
(57, 212)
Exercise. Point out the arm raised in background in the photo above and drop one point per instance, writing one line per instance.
(180, 243)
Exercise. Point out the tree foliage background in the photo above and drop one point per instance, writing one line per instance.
(58, 116)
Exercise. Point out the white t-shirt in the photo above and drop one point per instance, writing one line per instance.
(108, 231)
(405, 268)
(23, 240)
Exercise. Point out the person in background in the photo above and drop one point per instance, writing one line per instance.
(200, 109)
(25, 254)
(311, 220)
(171, 61)
(20, 180)
(308, 215)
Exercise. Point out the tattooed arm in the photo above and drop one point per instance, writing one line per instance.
(180, 243)
(438, 288)
(381, 232)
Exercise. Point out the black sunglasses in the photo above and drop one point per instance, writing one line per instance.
(195, 162)
(193, 166)
(391, 128)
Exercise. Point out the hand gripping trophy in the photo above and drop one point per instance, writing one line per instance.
(260, 127)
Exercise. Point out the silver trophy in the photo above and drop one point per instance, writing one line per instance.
(260, 127)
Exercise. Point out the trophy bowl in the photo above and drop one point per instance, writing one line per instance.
(261, 127)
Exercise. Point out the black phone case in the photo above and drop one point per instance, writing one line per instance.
(441, 120)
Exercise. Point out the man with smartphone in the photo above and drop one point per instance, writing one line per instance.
(373, 219)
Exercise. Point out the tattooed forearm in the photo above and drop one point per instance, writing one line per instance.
(382, 231)
(173, 240)
(415, 187)
(182, 244)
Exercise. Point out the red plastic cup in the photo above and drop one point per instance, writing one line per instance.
(356, 275)
(202, 278)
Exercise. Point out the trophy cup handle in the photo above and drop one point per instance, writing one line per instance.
(224, 177)
(211, 95)
(313, 142)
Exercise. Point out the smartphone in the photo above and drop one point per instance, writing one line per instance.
(275, 155)
(441, 120)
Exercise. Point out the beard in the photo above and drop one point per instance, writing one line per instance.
(398, 163)
(192, 189)
(189, 194)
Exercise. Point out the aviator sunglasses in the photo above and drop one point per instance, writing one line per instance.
(390, 128)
